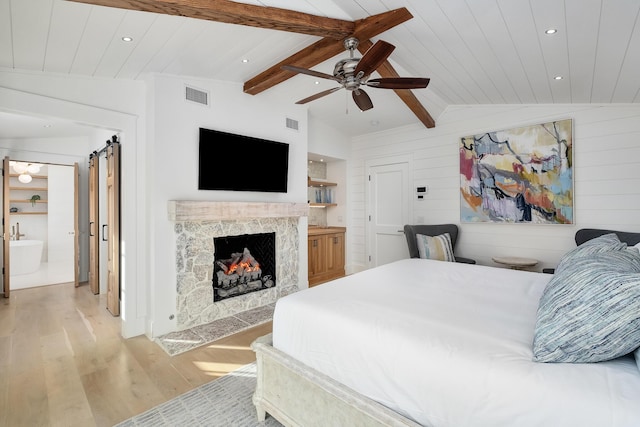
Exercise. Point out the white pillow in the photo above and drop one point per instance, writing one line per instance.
(435, 247)
(637, 246)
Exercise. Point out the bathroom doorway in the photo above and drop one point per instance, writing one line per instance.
(40, 210)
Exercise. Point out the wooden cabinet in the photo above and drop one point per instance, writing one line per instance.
(326, 254)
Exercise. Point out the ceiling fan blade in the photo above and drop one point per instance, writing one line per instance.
(398, 83)
(301, 70)
(362, 100)
(319, 95)
(374, 57)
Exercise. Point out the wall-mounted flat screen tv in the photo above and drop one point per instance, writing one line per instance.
(234, 162)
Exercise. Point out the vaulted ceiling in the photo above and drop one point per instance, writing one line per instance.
(474, 51)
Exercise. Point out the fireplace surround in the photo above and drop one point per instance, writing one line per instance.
(198, 223)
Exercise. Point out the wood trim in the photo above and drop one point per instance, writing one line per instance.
(231, 12)
(6, 230)
(196, 210)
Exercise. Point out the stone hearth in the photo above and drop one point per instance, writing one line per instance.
(198, 222)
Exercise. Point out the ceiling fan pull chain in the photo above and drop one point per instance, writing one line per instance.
(346, 102)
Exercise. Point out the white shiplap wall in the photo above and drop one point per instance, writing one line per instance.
(606, 177)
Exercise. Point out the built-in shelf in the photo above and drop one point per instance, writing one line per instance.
(313, 183)
(27, 201)
(29, 188)
(28, 213)
(322, 205)
(32, 176)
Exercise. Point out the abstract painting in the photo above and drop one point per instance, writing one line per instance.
(520, 175)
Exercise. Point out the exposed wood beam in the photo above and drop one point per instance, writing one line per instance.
(333, 32)
(387, 70)
(231, 12)
(325, 49)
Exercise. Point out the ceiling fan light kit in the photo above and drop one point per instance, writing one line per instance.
(354, 72)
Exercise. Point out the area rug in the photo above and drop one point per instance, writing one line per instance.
(223, 402)
(178, 342)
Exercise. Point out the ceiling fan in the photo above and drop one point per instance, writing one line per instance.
(354, 72)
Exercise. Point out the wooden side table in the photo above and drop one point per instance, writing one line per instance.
(515, 263)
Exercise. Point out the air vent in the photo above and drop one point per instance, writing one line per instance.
(292, 124)
(196, 95)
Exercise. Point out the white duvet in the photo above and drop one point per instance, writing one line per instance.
(449, 344)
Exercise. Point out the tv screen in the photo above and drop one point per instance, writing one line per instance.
(241, 163)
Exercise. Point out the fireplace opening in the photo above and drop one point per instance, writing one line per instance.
(243, 264)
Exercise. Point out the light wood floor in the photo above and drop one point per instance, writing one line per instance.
(64, 363)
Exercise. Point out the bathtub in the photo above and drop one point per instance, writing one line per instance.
(24, 256)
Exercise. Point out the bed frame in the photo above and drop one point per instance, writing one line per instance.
(297, 395)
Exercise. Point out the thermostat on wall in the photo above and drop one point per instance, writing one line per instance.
(421, 191)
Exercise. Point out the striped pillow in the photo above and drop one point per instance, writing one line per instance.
(590, 309)
(435, 247)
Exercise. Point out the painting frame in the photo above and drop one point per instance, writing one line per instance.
(518, 175)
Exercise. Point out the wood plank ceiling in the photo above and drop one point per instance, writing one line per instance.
(474, 51)
(332, 31)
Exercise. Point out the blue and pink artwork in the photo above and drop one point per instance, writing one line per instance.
(520, 175)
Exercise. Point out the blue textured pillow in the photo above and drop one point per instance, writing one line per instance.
(605, 243)
(590, 309)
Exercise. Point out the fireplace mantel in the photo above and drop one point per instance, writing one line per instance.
(202, 210)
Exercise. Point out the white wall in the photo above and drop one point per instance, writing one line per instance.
(606, 177)
(174, 167)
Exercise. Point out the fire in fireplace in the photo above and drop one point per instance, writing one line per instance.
(243, 264)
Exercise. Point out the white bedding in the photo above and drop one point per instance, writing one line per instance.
(449, 344)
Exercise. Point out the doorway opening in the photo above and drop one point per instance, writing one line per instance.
(42, 202)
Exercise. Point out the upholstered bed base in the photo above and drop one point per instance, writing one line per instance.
(297, 395)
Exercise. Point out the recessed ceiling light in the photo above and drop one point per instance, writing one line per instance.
(551, 31)
(245, 60)
(374, 122)
(48, 125)
(317, 82)
(127, 39)
(557, 78)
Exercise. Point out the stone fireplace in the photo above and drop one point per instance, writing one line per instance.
(198, 224)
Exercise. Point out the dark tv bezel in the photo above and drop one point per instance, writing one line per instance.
(205, 154)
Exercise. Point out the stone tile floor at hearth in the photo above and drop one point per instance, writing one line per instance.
(180, 341)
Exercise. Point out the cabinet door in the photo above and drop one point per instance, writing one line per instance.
(335, 254)
(317, 261)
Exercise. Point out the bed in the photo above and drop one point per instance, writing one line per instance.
(422, 342)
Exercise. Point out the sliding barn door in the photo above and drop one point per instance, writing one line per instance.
(94, 241)
(6, 233)
(113, 228)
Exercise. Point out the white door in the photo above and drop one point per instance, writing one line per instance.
(388, 212)
(61, 218)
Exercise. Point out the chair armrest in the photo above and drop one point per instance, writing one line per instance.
(465, 260)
